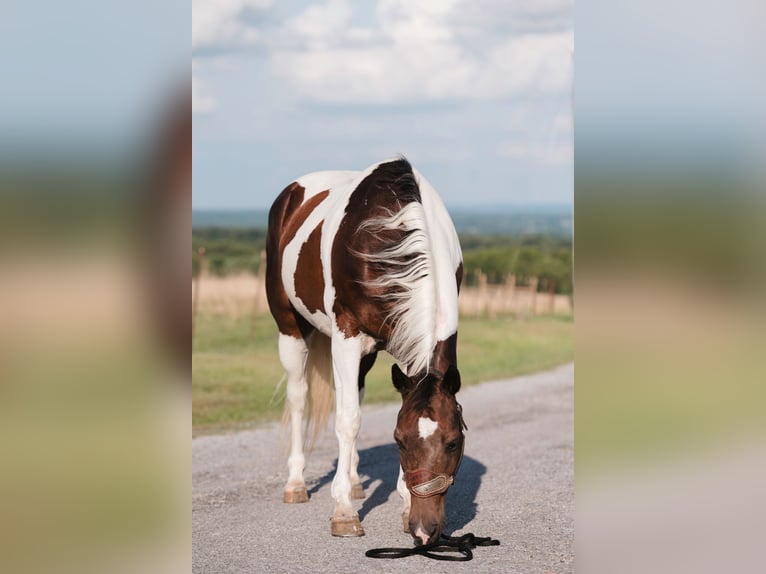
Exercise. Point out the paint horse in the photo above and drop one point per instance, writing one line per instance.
(359, 262)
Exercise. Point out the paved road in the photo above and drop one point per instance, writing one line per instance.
(515, 484)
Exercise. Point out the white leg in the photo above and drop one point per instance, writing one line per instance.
(357, 491)
(293, 353)
(401, 487)
(345, 359)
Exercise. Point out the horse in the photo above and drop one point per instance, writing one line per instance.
(358, 262)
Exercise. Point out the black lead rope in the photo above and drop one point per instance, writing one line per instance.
(454, 548)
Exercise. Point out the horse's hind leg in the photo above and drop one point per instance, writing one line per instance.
(293, 353)
(357, 490)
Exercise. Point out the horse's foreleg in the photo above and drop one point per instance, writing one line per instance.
(293, 353)
(345, 358)
(401, 487)
(357, 490)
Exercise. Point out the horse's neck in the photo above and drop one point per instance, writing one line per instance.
(445, 354)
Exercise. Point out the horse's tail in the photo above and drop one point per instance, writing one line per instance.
(320, 386)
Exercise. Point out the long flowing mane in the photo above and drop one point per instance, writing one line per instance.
(406, 281)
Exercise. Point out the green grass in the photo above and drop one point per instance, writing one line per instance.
(236, 369)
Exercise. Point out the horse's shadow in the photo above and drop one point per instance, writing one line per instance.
(381, 463)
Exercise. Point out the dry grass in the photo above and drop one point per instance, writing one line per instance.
(236, 368)
(233, 296)
(240, 295)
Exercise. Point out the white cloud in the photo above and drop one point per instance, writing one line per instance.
(397, 51)
(532, 62)
(320, 24)
(416, 55)
(221, 23)
(417, 22)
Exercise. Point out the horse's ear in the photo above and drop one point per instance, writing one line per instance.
(451, 381)
(402, 382)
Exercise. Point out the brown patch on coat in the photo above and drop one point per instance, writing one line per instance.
(299, 216)
(358, 308)
(309, 278)
(445, 354)
(287, 214)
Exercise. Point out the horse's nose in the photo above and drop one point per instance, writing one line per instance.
(421, 537)
(423, 534)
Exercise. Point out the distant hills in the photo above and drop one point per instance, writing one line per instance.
(554, 220)
(241, 218)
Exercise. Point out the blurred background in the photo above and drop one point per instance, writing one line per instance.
(669, 276)
(95, 201)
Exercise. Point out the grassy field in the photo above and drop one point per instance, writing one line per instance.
(236, 370)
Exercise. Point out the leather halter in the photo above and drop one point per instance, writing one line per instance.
(436, 484)
(424, 483)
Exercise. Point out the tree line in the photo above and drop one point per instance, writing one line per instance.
(549, 258)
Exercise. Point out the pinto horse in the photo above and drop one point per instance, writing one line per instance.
(359, 262)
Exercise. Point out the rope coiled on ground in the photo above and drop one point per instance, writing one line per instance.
(453, 548)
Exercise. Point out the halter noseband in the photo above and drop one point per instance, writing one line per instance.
(436, 485)
(424, 483)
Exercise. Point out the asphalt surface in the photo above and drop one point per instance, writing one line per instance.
(515, 484)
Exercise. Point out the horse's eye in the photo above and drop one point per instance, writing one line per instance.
(451, 446)
(399, 444)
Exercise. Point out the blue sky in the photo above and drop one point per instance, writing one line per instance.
(476, 93)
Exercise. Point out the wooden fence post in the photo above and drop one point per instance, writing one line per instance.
(483, 302)
(510, 293)
(533, 282)
(552, 296)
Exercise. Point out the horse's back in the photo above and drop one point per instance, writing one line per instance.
(323, 258)
(335, 181)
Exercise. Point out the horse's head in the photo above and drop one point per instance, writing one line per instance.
(429, 433)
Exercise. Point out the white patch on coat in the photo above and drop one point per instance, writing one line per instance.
(419, 533)
(446, 255)
(426, 427)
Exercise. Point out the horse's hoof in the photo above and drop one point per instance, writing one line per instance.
(357, 491)
(346, 527)
(295, 496)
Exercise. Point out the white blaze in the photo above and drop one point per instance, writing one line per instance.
(426, 427)
(422, 535)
